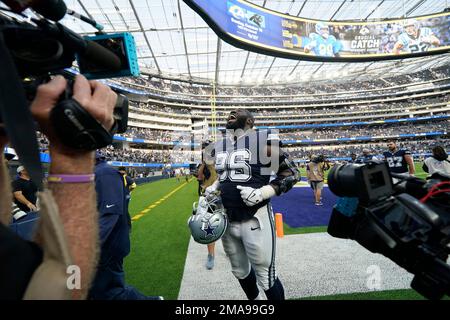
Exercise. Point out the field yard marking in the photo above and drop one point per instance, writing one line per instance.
(158, 202)
(137, 217)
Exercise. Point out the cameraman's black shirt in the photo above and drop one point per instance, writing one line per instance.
(28, 190)
(396, 161)
(18, 261)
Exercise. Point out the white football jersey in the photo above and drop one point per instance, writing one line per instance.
(413, 45)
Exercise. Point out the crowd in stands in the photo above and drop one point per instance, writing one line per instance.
(162, 136)
(357, 109)
(297, 153)
(163, 109)
(150, 156)
(415, 146)
(180, 89)
(177, 89)
(150, 134)
(376, 130)
(180, 155)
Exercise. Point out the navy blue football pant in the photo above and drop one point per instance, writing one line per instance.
(109, 283)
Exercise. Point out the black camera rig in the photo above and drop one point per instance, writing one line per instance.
(32, 50)
(408, 222)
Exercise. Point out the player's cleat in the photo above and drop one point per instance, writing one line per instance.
(210, 262)
(154, 298)
(319, 203)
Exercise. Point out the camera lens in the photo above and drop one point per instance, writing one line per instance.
(342, 180)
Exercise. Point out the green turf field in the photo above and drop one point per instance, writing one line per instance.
(160, 239)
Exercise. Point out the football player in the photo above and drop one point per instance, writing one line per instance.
(244, 161)
(415, 39)
(322, 43)
(399, 160)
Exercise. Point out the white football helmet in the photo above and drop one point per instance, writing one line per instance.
(322, 29)
(411, 23)
(209, 221)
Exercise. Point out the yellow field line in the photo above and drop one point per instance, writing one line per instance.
(158, 202)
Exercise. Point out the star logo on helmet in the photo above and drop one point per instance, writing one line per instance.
(209, 230)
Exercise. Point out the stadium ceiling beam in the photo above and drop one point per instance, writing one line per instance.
(184, 39)
(218, 55)
(295, 67)
(338, 9)
(85, 10)
(301, 8)
(245, 64)
(270, 68)
(290, 6)
(414, 8)
(375, 9)
(151, 29)
(368, 65)
(344, 66)
(317, 69)
(183, 54)
(145, 36)
(105, 15)
(120, 14)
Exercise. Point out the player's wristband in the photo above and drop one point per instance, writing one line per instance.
(69, 178)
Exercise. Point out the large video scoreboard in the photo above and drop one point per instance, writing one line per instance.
(258, 29)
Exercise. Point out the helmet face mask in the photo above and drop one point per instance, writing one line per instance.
(411, 27)
(322, 29)
(209, 222)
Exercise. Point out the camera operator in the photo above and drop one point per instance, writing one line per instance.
(399, 160)
(407, 222)
(315, 172)
(75, 199)
(439, 161)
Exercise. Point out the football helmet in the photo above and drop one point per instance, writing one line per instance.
(322, 29)
(411, 23)
(209, 221)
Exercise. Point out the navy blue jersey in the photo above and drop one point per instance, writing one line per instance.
(243, 161)
(112, 203)
(396, 161)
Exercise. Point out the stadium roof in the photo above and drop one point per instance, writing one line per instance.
(174, 41)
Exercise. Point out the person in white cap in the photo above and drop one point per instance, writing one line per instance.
(9, 154)
(24, 191)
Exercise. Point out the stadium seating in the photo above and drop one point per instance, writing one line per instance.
(333, 118)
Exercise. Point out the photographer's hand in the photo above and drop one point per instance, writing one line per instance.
(98, 99)
(76, 201)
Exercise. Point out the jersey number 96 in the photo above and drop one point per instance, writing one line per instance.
(234, 165)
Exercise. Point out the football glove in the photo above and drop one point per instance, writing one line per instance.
(252, 196)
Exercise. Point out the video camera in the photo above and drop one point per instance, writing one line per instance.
(41, 47)
(408, 222)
